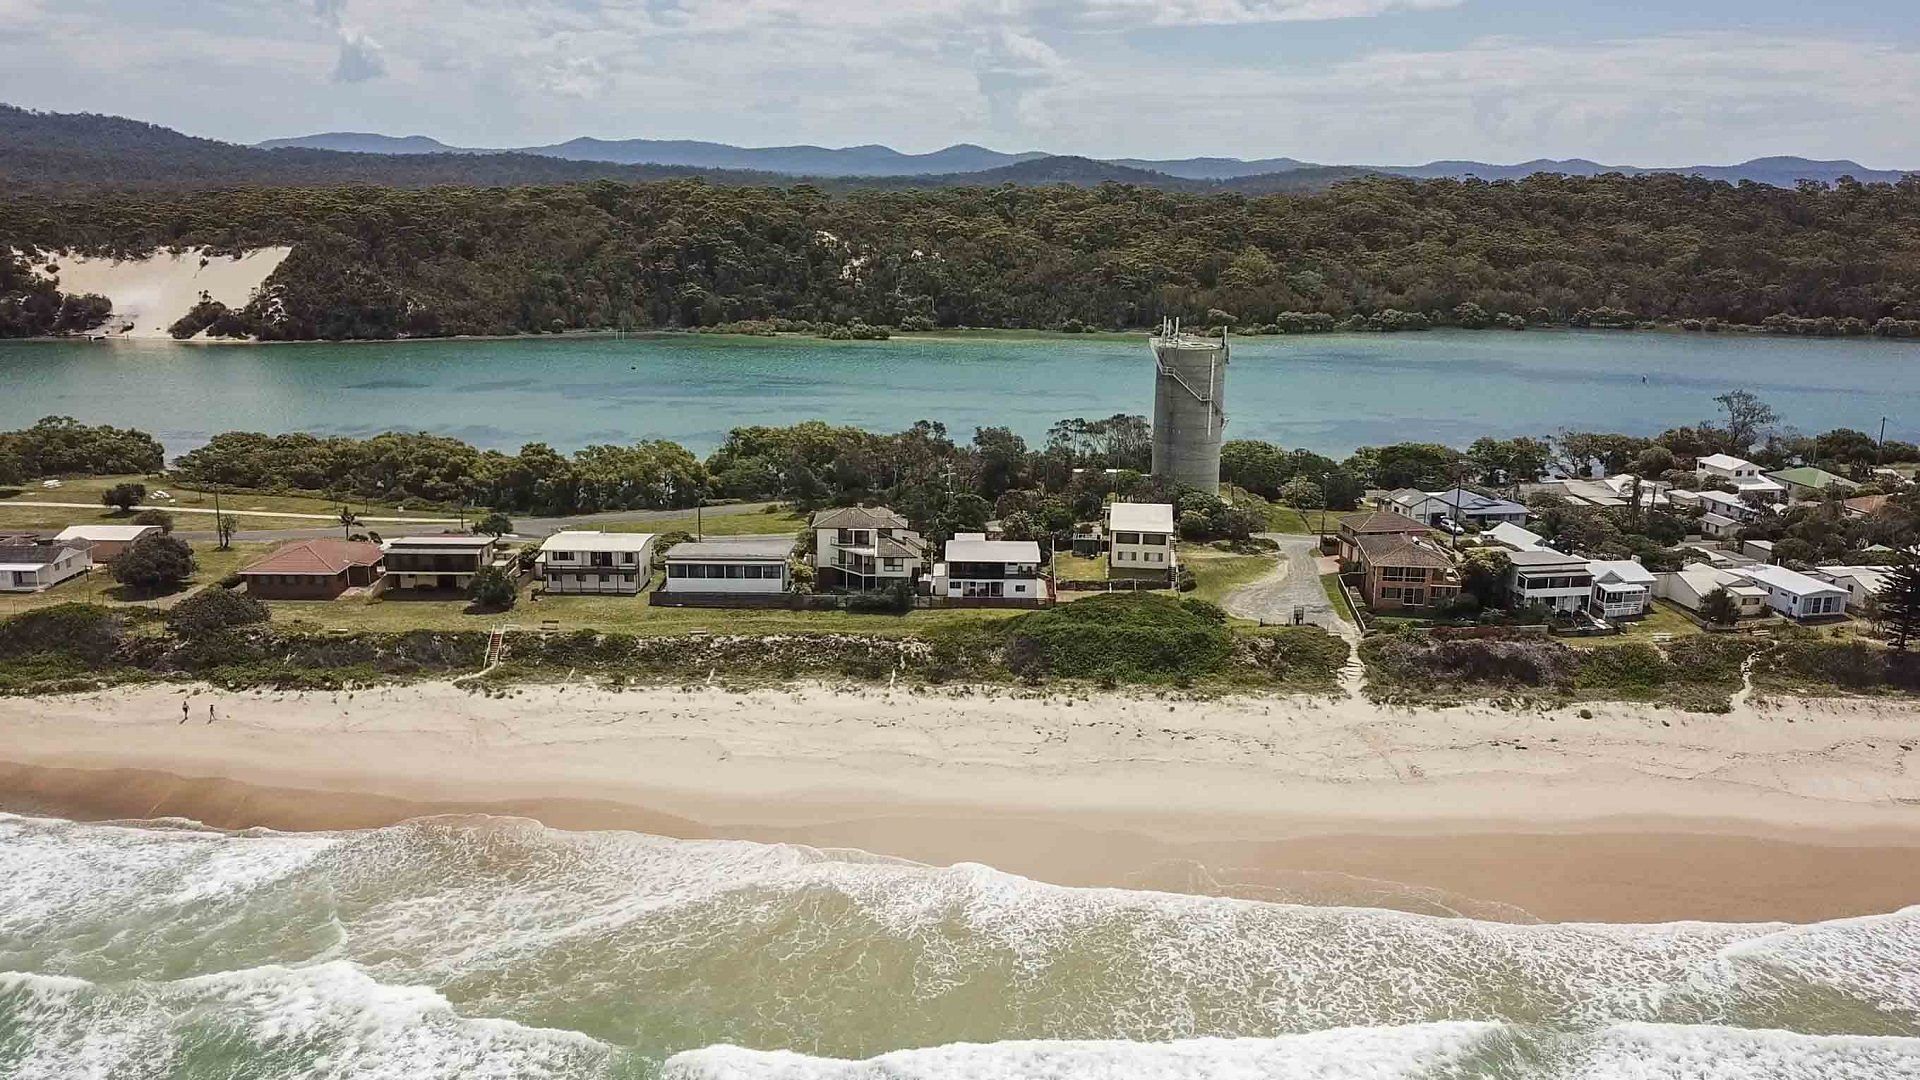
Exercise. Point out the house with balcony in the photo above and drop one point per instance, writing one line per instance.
(604, 563)
(1746, 477)
(316, 570)
(1373, 523)
(865, 548)
(28, 564)
(745, 566)
(1140, 541)
(1546, 578)
(1399, 571)
(976, 568)
(442, 563)
(1622, 589)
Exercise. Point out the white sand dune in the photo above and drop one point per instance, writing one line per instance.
(153, 292)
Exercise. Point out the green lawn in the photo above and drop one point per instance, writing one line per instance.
(98, 587)
(1337, 596)
(771, 520)
(1217, 573)
(1285, 519)
(253, 510)
(1663, 618)
(1070, 567)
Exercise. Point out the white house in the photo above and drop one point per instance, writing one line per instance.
(595, 562)
(34, 567)
(755, 565)
(865, 548)
(447, 561)
(1461, 505)
(1861, 582)
(1622, 589)
(1549, 579)
(1140, 540)
(1729, 506)
(979, 568)
(1794, 594)
(1692, 584)
(1745, 476)
(1719, 526)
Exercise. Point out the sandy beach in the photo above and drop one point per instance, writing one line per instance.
(153, 291)
(1796, 810)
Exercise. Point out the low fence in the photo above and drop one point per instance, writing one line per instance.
(1444, 633)
(1029, 603)
(759, 601)
(1110, 585)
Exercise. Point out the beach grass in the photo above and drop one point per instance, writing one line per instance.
(1217, 573)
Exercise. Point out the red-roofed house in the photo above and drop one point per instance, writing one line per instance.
(314, 570)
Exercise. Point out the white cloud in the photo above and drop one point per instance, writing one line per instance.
(359, 60)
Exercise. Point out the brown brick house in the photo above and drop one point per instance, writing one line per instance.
(1374, 523)
(1398, 571)
(314, 570)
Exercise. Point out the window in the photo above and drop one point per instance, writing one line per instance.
(1126, 538)
(1390, 592)
(892, 564)
(1415, 598)
(736, 571)
(1154, 539)
(606, 579)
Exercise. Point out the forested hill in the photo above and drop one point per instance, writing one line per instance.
(379, 262)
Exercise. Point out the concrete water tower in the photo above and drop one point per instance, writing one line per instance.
(1189, 406)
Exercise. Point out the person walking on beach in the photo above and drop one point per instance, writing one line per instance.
(183, 710)
(209, 712)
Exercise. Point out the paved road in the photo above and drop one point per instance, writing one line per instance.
(1295, 582)
(523, 526)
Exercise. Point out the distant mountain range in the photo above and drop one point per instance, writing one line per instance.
(883, 161)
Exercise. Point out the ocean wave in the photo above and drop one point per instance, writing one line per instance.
(650, 946)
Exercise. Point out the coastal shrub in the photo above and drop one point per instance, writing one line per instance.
(211, 611)
(1633, 667)
(1415, 662)
(155, 563)
(1131, 637)
(155, 517)
(1846, 664)
(87, 632)
(1301, 657)
(493, 589)
(124, 497)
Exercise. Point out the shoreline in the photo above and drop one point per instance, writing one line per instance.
(1795, 811)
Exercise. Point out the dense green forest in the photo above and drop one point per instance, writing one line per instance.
(1606, 251)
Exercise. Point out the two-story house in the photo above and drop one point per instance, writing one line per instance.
(444, 562)
(1546, 578)
(1398, 570)
(1622, 589)
(1140, 540)
(1744, 475)
(976, 568)
(1373, 523)
(595, 562)
(864, 548)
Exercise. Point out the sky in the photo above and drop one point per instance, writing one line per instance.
(1638, 82)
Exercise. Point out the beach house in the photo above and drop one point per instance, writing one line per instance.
(28, 565)
(865, 548)
(584, 561)
(1810, 484)
(106, 542)
(1140, 540)
(976, 568)
(1690, 586)
(1373, 523)
(315, 570)
(1861, 506)
(1622, 589)
(1546, 578)
(1401, 570)
(1796, 595)
(1462, 505)
(1861, 582)
(1730, 506)
(742, 566)
(444, 562)
(1514, 538)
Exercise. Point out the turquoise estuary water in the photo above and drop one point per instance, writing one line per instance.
(1329, 393)
(495, 948)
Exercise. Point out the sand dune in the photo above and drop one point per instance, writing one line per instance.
(153, 292)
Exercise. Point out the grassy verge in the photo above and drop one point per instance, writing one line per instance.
(98, 586)
(771, 520)
(1070, 567)
(1218, 573)
(1337, 596)
(1285, 519)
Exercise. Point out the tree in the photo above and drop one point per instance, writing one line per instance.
(495, 524)
(1899, 599)
(1747, 415)
(155, 563)
(124, 497)
(493, 589)
(155, 517)
(348, 519)
(224, 526)
(1719, 608)
(1302, 494)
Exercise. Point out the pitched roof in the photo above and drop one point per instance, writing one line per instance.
(317, 557)
(1808, 476)
(1140, 517)
(1543, 557)
(966, 549)
(1866, 505)
(1380, 521)
(1786, 580)
(1625, 571)
(910, 546)
(34, 556)
(1507, 534)
(1725, 461)
(859, 517)
(1397, 549)
(1468, 501)
(442, 540)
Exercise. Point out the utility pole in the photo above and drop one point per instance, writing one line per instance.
(699, 529)
(1879, 448)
